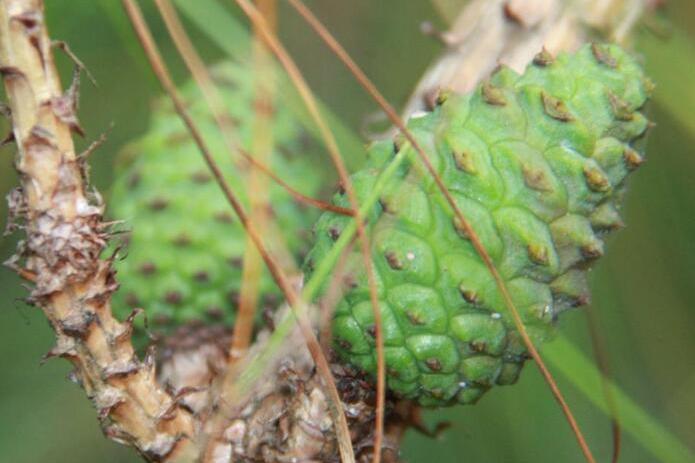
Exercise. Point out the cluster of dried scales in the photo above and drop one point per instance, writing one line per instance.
(164, 417)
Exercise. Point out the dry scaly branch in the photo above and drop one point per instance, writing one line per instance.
(65, 236)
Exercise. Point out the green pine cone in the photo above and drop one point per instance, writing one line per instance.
(185, 246)
(537, 164)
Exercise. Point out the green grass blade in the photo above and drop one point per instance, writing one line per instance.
(584, 375)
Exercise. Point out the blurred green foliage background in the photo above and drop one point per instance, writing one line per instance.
(642, 290)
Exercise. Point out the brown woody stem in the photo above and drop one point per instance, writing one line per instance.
(65, 236)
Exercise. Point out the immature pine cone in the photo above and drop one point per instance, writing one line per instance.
(185, 247)
(537, 164)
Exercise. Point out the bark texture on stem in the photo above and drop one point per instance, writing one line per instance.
(65, 236)
(286, 417)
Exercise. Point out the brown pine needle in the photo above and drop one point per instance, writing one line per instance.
(262, 146)
(243, 326)
(160, 70)
(310, 101)
(199, 71)
(300, 197)
(371, 89)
